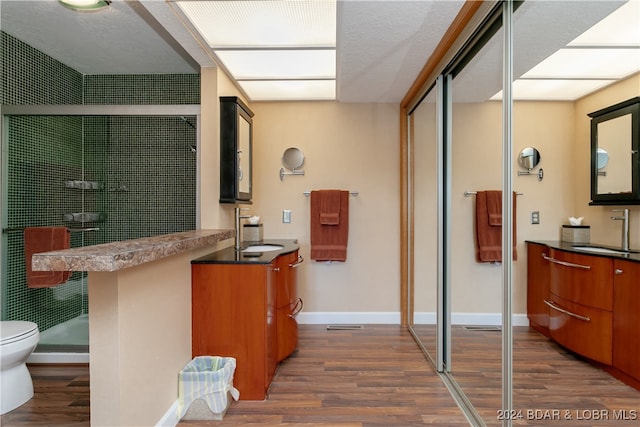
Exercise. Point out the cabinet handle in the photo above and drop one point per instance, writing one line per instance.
(276, 268)
(619, 271)
(297, 308)
(297, 263)
(568, 313)
(566, 264)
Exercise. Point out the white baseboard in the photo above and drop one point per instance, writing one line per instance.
(170, 418)
(479, 319)
(393, 318)
(58, 358)
(361, 317)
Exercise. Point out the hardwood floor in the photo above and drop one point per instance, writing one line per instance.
(377, 376)
(61, 398)
(551, 385)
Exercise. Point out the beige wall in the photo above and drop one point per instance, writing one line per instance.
(346, 146)
(354, 146)
(140, 339)
(477, 165)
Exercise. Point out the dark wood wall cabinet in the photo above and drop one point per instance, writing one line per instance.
(246, 311)
(588, 304)
(615, 154)
(236, 151)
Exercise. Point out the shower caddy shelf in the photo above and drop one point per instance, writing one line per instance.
(84, 185)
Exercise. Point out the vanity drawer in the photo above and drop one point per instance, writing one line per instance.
(583, 279)
(585, 330)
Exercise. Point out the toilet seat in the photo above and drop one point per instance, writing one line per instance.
(16, 330)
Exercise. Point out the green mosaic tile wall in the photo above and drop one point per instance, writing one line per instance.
(151, 176)
(43, 153)
(158, 89)
(31, 77)
(145, 167)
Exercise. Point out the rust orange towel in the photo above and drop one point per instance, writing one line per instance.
(494, 207)
(330, 201)
(488, 234)
(45, 239)
(329, 239)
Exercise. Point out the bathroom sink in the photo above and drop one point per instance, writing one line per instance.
(602, 250)
(262, 248)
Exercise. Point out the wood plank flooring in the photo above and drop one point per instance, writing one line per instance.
(551, 385)
(61, 398)
(377, 376)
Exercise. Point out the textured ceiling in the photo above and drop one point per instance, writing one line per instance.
(382, 45)
(115, 40)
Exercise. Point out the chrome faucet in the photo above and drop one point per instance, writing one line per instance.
(238, 228)
(625, 226)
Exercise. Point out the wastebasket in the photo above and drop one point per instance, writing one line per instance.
(206, 388)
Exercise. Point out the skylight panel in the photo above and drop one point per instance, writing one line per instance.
(588, 63)
(290, 90)
(553, 90)
(620, 28)
(272, 49)
(232, 24)
(279, 64)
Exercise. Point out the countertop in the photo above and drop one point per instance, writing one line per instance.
(231, 256)
(127, 253)
(566, 246)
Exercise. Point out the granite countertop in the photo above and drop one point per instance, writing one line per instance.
(231, 256)
(127, 253)
(634, 255)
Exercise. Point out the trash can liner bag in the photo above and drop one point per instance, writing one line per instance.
(209, 378)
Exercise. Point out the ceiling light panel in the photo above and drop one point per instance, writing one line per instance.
(290, 90)
(245, 24)
(588, 63)
(279, 64)
(620, 28)
(553, 90)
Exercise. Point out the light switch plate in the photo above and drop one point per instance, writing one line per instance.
(286, 216)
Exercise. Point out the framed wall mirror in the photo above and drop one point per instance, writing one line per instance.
(615, 130)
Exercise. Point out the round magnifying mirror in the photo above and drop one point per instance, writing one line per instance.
(529, 158)
(603, 158)
(292, 158)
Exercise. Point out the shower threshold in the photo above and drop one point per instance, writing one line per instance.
(67, 342)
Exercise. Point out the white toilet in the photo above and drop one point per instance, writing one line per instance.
(19, 339)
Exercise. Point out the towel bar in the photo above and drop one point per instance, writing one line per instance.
(71, 230)
(352, 193)
(468, 193)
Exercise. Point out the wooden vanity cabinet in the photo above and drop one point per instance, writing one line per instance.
(580, 304)
(538, 288)
(246, 311)
(592, 306)
(626, 318)
(583, 329)
(234, 315)
(583, 279)
(288, 304)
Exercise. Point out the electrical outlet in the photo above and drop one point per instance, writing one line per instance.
(286, 216)
(535, 217)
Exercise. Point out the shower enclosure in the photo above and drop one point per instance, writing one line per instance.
(107, 173)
